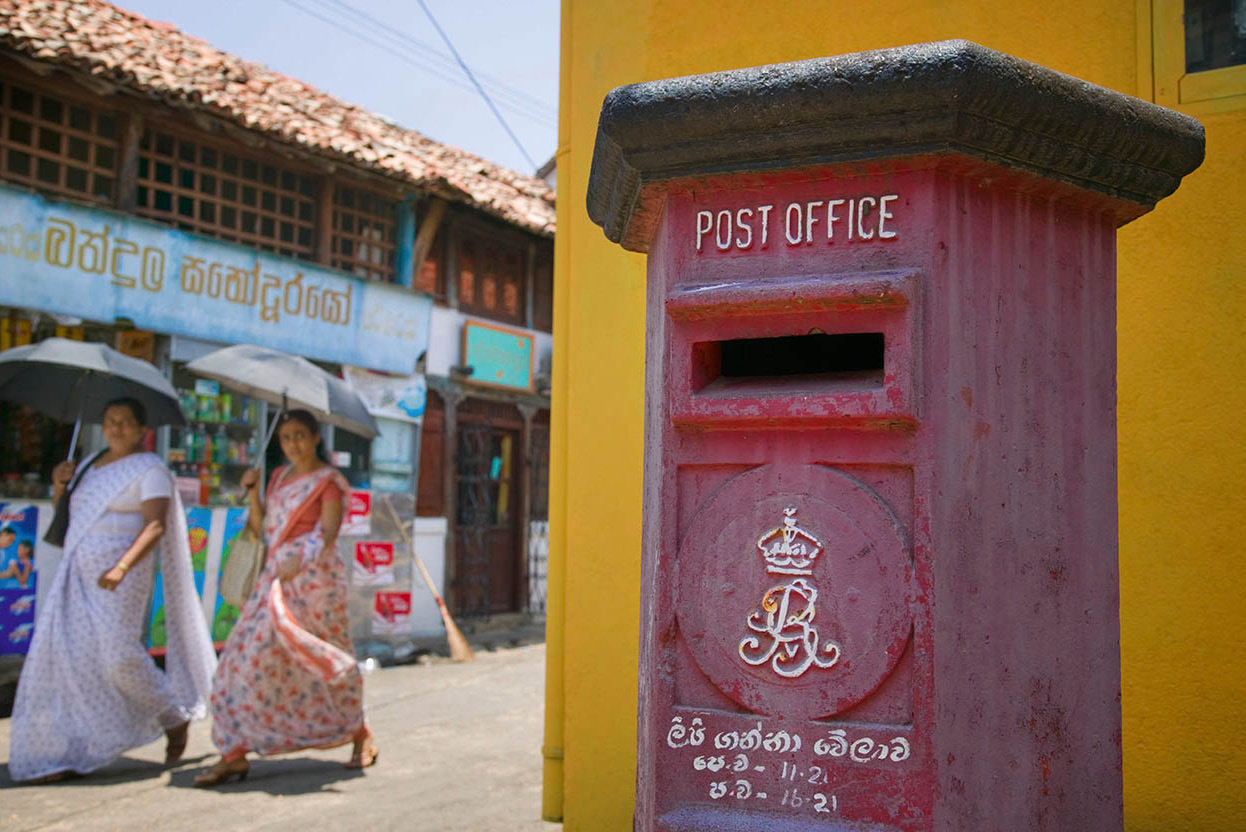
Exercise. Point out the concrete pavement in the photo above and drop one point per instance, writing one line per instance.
(460, 750)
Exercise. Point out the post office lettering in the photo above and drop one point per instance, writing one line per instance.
(857, 219)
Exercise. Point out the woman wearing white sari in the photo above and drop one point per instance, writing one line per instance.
(88, 690)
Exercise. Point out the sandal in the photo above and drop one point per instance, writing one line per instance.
(365, 753)
(222, 772)
(175, 743)
(55, 777)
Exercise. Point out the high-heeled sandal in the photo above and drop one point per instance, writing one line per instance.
(222, 772)
(175, 743)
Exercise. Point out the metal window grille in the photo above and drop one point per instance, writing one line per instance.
(55, 145)
(365, 233)
(220, 193)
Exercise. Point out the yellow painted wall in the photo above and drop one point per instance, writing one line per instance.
(1181, 336)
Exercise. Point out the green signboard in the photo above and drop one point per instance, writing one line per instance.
(499, 357)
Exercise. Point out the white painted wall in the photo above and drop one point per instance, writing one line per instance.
(430, 545)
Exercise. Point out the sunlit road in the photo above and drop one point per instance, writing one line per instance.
(460, 750)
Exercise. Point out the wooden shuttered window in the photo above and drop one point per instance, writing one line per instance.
(491, 279)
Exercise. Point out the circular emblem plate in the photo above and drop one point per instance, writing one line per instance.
(793, 590)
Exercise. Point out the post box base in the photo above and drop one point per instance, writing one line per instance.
(712, 819)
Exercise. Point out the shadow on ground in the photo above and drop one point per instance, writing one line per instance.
(286, 776)
(121, 770)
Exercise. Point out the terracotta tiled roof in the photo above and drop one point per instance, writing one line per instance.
(160, 61)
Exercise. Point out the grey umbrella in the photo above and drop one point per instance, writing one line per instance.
(289, 382)
(71, 381)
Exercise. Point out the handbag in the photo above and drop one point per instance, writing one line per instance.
(59, 527)
(242, 568)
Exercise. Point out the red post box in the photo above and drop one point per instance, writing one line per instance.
(879, 582)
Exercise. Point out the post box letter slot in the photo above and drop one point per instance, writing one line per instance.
(798, 350)
(854, 358)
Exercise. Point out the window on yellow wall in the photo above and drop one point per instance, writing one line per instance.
(1200, 54)
(1215, 34)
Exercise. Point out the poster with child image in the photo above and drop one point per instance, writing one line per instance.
(18, 530)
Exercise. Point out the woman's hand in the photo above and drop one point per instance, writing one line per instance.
(288, 569)
(63, 473)
(250, 479)
(111, 578)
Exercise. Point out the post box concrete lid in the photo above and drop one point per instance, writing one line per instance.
(933, 98)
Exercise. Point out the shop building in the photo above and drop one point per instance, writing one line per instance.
(168, 199)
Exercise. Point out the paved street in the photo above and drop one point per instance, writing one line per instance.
(460, 750)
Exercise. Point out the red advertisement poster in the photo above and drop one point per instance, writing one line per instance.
(374, 562)
(358, 519)
(391, 614)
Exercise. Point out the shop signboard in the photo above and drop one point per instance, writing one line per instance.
(18, 534)
(137, 343)
(499, 356)
(388, 396)
(72, 260)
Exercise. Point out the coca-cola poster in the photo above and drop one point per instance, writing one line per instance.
(358, 519)
(374, 562)
(391, 614)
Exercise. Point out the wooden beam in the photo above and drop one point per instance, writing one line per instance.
(126, 197)
(428, 225)
(324, 222)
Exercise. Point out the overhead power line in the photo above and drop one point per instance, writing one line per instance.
(467, 71)
(419, 62)
(496, 86)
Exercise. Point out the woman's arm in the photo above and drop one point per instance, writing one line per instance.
(331, 517)
(154, 512)
(255, 515)
(330, 523)
(23, 573)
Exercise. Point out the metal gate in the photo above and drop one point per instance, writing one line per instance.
(475, 509)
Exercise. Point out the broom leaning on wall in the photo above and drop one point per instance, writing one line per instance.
(460, 651)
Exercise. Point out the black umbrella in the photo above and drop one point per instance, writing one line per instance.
(72, 381)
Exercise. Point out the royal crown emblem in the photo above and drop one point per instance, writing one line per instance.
(789, 549)
(782, 632)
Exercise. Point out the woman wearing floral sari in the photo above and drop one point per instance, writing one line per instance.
(88, 690)
(287, 679)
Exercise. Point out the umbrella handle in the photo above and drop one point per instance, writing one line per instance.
(268, 437)
(73, 443)
(272, 428)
